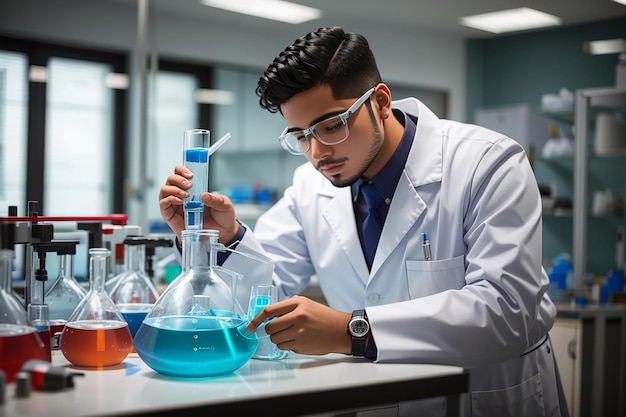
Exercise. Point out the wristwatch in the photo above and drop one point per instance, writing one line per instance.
(358, 328)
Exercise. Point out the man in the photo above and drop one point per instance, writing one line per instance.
(454, 276)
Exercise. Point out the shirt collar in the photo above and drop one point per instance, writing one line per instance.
(387, 179)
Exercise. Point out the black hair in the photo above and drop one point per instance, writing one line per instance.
(328, 56)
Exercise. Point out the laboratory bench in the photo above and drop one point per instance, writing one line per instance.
(298, 385)
(589, 343)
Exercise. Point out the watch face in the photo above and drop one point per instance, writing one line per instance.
(359, 327)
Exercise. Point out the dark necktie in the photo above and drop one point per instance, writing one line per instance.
(372, 224)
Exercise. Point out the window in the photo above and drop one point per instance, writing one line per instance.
(77, 160)
(60, 126)
(173, 112)
(13, 112)
(62, 132)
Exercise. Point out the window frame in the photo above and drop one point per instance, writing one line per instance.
(38, 53)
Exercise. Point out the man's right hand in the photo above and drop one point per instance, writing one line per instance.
(219, 212)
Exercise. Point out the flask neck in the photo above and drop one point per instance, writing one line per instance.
(135, 258)
(97, 269)
(199, 249)
(66, 266)
(6, 268)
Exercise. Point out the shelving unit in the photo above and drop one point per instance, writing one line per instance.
(557, 172)
(589, 341)
(589, 102)
(590, 348)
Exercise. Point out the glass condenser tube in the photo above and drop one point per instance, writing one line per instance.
(196, 159)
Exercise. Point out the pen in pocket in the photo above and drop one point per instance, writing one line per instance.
(426, 247)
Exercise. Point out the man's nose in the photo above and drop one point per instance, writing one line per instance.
(317, 149)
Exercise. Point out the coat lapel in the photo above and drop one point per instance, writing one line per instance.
(339, 213)
(423, 166)
(405, 209)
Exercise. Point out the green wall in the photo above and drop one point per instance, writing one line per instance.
(521, 68)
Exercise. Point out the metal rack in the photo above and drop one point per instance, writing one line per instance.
(588, 103)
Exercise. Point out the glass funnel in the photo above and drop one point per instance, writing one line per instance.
(96, 335)
(64, 295)
(19, 341)
(197, 328)
(133, 291)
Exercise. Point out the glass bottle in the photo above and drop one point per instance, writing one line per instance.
(96, 335)
(197, 328)
(19, 340)
(64, 295)
(133, 290)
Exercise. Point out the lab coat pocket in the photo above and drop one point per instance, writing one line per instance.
(431, 277)
(525, 399)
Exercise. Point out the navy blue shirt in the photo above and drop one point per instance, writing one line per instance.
(385, 181)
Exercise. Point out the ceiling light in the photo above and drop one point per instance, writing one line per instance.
(116, 80)
(609, 46)
(280, 10)
(512, 20)
(38, 74)
(620, 2)
(206, 96)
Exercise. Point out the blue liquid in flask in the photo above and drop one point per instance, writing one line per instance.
(194, 346)
(134, 314)
(197, 161)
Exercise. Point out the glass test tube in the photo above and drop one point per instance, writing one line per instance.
(196, 159)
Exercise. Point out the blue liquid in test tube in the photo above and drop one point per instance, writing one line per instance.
(259, 303)
(197, 161)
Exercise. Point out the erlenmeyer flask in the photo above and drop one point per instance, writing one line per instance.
(133, 290)
(96, 335)
(197, 328)
(65, 294)
(19, 341)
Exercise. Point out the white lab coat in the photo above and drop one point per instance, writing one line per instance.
(481, 301)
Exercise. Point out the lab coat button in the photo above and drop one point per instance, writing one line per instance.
(373, 298)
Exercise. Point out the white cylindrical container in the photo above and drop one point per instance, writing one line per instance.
(610, 134)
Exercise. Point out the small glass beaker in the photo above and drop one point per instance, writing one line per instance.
(96, 334)
(39, 315)
(262, 296)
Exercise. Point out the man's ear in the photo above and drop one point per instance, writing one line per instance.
(382, 95)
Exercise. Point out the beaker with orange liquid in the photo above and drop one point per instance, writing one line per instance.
(96, 335)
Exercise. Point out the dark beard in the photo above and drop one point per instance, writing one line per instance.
(371, 155)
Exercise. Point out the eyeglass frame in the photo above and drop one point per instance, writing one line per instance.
(282, 139)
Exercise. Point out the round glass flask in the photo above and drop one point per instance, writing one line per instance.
(19, 340)
(197, 328)
(96, 335)
(133, 290)
(64, 295)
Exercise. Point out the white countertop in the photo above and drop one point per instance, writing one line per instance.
(300, 384)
